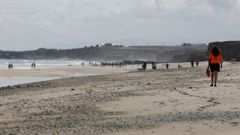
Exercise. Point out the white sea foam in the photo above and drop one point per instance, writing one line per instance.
(26, 64)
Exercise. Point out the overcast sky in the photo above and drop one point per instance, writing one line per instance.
(31, 24)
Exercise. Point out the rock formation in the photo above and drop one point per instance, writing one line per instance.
(230, 49)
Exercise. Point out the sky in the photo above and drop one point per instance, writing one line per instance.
(32, 24)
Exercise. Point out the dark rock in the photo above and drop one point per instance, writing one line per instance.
(229, 49)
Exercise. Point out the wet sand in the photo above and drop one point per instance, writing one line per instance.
(66, 71)
(23, 76)
(168, 102)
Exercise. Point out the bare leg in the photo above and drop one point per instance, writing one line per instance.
(215, 79)
(212, 74)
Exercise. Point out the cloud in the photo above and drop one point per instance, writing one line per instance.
(224, 5)
(182, 4)
(37, 23)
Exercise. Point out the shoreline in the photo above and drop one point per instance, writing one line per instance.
(24, 76)
(11, 77)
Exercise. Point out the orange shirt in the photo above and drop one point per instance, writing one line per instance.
(215, 59)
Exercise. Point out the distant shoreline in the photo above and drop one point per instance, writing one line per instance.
(24, 76)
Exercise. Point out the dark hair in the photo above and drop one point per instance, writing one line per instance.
(215, 51)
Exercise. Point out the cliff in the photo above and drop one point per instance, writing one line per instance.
(230, 49)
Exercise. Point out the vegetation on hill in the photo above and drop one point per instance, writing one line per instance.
(110, 52)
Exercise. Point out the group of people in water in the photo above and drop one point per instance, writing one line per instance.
(10, 65)
(113, 64)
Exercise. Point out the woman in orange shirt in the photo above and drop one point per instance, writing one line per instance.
(215, 61)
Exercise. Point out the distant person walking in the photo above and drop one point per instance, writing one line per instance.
(197, 63)
(154, 66)
(33, 65)
(167, 66)
(10, 66)
(144, 66)
(192, 63)
(215, 61)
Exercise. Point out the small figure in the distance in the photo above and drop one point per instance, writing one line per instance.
(167, 66)
(144, 66)
(154, 66)
(10, 66)
(180, 66)
(33, 65)
(192, 63)
(197, 63)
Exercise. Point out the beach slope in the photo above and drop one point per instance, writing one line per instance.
(168, 102)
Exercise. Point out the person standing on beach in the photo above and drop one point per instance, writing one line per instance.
(167, 66)
(154, 66)
(215, 61)
(197, 63)
(192, 63)
(10, 66)
(144, 66)
(33, 65)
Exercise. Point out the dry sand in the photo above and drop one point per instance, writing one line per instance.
(167, 102)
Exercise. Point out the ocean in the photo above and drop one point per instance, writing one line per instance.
(40, 64)
(26, 64)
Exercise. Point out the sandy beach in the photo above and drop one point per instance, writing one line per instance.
(161, 102)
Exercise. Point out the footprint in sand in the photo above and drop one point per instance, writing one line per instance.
(161, 104)
(211, 100)
(234, 124)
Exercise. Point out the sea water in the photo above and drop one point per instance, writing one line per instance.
(40, 64)
(26, 64)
